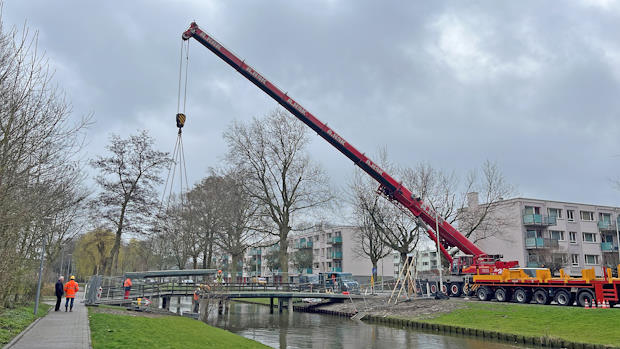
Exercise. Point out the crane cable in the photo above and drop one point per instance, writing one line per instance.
(178, 154)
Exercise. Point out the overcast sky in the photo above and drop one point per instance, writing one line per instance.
(531, 85)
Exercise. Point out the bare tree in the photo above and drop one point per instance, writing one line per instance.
(127, 179)
(40, 178)
(368, 240)
(278, 175)
(478, 221)
(238, 213)
(204, 201)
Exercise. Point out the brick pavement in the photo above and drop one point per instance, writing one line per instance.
(66, 330)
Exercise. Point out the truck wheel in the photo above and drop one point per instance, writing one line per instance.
(563, 297)
(541, 296)
(483, 293)
(502, 295)
(584, 295)
(455, 289)
(523, 295)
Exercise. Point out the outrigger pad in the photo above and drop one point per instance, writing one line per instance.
(180, 120)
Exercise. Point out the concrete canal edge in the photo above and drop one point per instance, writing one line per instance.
(542, 341)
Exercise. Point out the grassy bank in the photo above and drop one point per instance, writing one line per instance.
(13, 321)
(569, 323)
(125, 331)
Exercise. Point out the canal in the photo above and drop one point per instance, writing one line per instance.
(308, 330)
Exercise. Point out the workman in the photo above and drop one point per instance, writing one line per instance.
(219, 277)
(196, 300)
(127, 286)
(71, 289)
(59, 292)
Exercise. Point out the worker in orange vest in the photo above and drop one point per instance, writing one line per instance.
(71, 289)
(196, 300)
(127, 286)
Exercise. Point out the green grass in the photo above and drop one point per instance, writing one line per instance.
(13, 321)
(124, 331)
(595, 326)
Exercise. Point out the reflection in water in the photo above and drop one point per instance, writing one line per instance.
(306, 330)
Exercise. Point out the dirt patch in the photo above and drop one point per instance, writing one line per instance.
(412, 309)
(124, 311)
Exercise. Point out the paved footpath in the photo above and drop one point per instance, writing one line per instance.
(66, 330)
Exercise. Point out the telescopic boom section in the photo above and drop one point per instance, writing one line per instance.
(448, 235)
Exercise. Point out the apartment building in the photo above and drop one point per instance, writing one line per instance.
(553, 234)
(332, 249)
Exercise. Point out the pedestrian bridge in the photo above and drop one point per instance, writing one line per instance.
(109, 290)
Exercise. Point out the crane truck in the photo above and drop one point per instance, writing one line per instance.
(490, 276)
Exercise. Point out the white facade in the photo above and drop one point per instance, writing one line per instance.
(540, 233)
(332, 250)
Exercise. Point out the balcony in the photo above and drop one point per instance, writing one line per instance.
(336, 254)
(606, 226)
(336, 240)
(533, 243)
(538, 220)
(337, 269)
(608, 247)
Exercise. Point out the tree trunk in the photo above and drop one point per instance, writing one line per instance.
(283, 253)
(195, 259)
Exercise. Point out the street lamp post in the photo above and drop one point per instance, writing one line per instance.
(438, 250)
(36, 301)
(618, 236)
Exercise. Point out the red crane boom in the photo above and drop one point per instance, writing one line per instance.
(448, 235)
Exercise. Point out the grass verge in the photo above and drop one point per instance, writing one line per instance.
(13, 321)
(124, 331)
(595, 326)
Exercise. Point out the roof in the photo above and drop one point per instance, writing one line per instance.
(165, 273)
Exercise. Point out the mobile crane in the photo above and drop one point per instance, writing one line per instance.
(475, 261)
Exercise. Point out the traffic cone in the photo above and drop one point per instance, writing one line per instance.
(586, 304)
(599, 305)
(606, 305)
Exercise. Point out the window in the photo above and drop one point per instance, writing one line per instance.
(570, 215)
(589, 237)
(604, 217)
(557, 235)
(573, 237)
(591, 259)
(574, 258)
(555, 212)
(587, 216)
(533, 234)
(532, 210)
(561, 259)
(424, 263)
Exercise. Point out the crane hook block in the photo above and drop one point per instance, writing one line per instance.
(180, 120)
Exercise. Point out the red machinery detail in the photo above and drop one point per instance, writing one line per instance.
(448, 235)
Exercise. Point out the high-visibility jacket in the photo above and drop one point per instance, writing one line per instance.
(127, 283)
(71, 288)
(196, 295)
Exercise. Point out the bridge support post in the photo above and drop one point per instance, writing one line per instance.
(290, 305)
(220, 307)
(165, 303)
(280, 304)
(270, 305)
(179, 305)
(203, 309)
